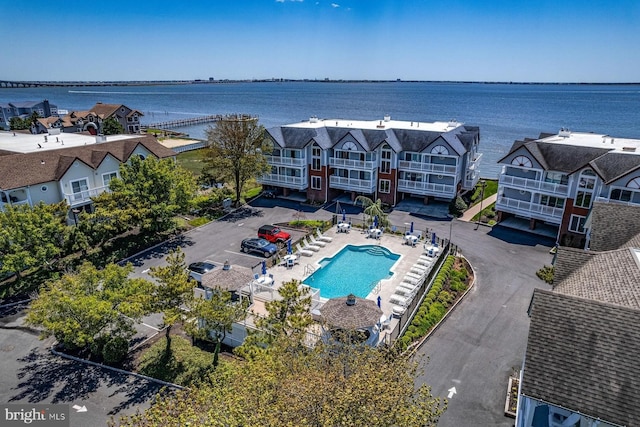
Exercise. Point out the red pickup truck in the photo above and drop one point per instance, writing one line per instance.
(273, 234)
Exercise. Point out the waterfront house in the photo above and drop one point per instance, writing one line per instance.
(581, 364)
(71, 167)
(91, 120)
(25, 109)
(323, 160)
(553, 180)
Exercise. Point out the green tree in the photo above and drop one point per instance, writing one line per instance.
(148, 194)
(215, 317)
(373, 209)
(110, 126)
(289, 316)
(31, 236)
(172, 292)
(91, 306)
(236, 150)
(323, 386)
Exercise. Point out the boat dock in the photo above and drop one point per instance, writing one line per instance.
(170, 124)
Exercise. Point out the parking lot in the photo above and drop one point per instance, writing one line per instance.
(474, 350)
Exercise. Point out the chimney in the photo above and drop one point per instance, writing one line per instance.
(387, 118)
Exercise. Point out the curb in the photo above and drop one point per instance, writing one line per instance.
(117, 370)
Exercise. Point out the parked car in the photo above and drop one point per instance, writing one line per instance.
(273, 234)
(197, 269)
(258, 245)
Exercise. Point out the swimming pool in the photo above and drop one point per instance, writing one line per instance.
(355, 270)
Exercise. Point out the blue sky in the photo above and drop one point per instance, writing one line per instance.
(492, 40)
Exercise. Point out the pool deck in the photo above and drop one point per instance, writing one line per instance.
(408, 257)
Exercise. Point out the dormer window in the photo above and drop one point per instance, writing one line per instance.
(522, 161)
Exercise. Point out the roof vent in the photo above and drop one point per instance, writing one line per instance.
(387, 118)
(226, 265)
(564, 132)
(313, 119)
(629, 149)
(100, 138)
(42, 162)
(351, 299)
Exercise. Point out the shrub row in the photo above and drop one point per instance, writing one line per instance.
(444, 290)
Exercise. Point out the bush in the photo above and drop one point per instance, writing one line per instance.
(457, 206)
(197, 222)
(546, 274)
(115, 350)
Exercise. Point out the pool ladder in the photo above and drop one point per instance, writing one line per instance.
(308, 269)
(376, 285)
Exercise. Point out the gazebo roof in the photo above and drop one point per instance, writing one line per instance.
(228, 278)
(351, 312)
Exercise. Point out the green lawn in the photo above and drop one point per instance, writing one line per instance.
(192, 161)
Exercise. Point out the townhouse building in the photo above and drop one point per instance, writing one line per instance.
(390, 160)
(555, 178)
(24, 109)
(71, 167)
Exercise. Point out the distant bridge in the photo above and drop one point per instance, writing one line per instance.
(21, 84)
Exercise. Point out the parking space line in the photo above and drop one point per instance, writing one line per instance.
(243, 254)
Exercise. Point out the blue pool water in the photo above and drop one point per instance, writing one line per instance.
(355, 270)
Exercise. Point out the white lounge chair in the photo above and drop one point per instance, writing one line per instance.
(399, 299)
(425, 260)
(418, 269)
(309, 246)
(405, 291)
(414, 276)
(322, 237)
(317, 242)
(398, 310)
(411, 280)
(303, 251)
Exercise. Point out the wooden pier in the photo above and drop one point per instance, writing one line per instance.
(170, 124)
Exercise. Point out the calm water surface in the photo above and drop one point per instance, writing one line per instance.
(504, 112)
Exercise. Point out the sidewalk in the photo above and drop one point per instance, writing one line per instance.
(473, 211)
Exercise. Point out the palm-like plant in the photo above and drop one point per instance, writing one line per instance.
(373, 209)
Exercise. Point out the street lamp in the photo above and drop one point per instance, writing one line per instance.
(483, 184)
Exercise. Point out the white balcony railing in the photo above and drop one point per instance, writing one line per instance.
(352, 184)
(475, 162)
(294, 182)
(427, 167)
(352, 164)
(82, 197)
(286, 161)
(530, 210)
(533, 184)
(426, 188)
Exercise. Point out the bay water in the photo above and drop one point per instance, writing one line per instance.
(504, 112)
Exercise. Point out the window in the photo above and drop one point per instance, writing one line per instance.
(107, 177)
(44, 188)
(554, 202)
(316, 183)
(315, 158)
(576, 224)
(385, 186)
(586, 184)
(79, 187)
(385, 164)
(620, 195)
(556, 177)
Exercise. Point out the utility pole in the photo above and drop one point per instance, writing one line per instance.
(483, 184)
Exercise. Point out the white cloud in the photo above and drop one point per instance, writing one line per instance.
(335, 5)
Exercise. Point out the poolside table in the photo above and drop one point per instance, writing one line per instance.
(410, 239)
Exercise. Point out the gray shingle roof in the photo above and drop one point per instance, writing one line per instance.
(612, 166)
(19, 170)
(611, 277)
(566, 158)
(583, 355)
(614, 226)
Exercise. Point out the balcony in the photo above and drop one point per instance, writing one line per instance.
(530, 210)
(353, 184)
(475, 162)
(286, 161)
(83, 197)
(426, 188)
(427, 167)
(293, 182)
(533, 184)
(471, 180)
(352, 164)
